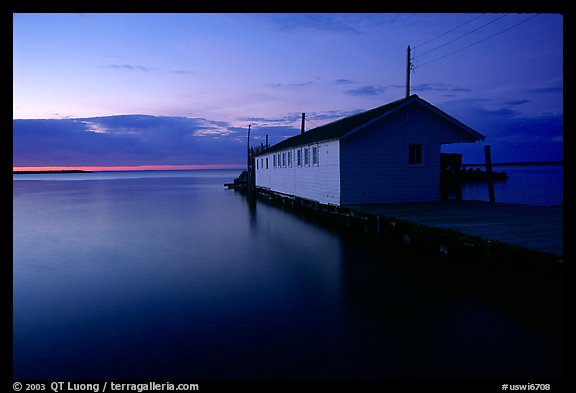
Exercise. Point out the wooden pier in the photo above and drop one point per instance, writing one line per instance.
(532, 227)
(458, 230)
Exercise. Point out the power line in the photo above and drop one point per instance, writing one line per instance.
(307, 119)
(479, 41)
(461, 36)
(450, 31)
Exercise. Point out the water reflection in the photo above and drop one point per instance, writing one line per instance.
(178, 278)
(410, 325)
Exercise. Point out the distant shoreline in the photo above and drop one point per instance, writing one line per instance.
(50, 171)
(529, 163)
(519, 163)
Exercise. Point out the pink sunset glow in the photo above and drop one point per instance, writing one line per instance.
(127, 168)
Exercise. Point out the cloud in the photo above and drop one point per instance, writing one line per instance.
(215, 131)
(276, 133)
(543, 128)
(126, 140)
(292, 118)
(94, 127)
(342, 82)
(523, 137)
(130, 67)
(286, 118)
(368, 90)
(512, 135)
(372, 90)
(530, 139)
(317, 22)
(344, 23)
(141, 68)
(555, 88)
(183, 72)
(557, 138)
(482, 111)
(438, 87)
(516, 102)
(281, 127)
(506, 112)
(300, 84)
(333, 115)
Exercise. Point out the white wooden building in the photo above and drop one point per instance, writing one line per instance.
(387, 154)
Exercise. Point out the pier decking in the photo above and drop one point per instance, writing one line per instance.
(471, 228)
(531, 227)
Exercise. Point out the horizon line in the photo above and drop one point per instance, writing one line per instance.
(100, 168)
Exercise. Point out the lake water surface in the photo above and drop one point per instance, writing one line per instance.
(143, 275)
(540, 185)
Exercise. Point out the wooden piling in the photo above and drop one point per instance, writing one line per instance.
(489, 177)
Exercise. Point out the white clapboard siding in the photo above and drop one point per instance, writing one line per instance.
(316, 182)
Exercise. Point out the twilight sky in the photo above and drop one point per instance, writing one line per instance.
(117, 90)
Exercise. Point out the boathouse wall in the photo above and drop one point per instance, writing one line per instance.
(309, 178)
(376, 163)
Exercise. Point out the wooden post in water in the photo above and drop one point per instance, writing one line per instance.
(489, 177)
(458, 185)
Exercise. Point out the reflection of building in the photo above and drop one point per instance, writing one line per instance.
(386, 154)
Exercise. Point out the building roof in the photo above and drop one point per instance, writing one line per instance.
(344, 127)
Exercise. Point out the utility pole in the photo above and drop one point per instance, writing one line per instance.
(251, 175)
(248, 163)
(408, 69)
(303, 125)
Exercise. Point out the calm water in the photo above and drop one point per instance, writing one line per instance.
(528, 185)
(143, 275)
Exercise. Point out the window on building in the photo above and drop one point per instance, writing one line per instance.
(299, 157)
(290, 159)
(284, 159)
(274, 160)
(415, 154)
(257, 164)
(315, 158)
(266, 162)
(307, 156)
